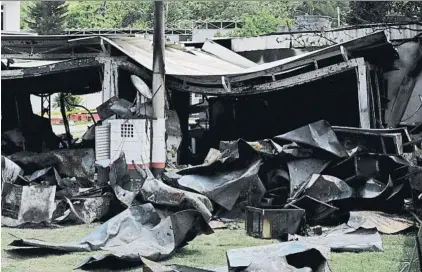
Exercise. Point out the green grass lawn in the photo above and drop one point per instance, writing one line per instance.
(202, 252)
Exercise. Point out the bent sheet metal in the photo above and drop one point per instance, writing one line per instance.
(137, 231)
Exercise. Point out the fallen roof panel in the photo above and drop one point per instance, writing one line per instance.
(191, 66)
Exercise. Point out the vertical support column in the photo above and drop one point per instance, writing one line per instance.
(158, 151)
(110, 79)
(363, 97)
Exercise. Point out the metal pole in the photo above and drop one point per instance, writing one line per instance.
(338, 16)
(158, 91)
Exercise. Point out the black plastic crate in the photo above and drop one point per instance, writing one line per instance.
(273, 222)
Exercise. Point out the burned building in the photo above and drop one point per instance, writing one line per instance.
(355, 83)
(332, 135)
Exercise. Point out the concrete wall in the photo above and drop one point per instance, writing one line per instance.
(320, 39)
(200, 35)
(12, 15)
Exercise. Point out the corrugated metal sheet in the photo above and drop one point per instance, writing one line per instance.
(178, 61)
(198, 67)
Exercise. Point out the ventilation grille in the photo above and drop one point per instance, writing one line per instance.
(126, 130)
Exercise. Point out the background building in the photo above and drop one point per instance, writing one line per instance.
(10, 16)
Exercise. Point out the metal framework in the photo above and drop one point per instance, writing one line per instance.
(125, 31)
(183, 28)
(45, 105)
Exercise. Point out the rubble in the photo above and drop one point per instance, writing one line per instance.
(288, 256)
(293, 177)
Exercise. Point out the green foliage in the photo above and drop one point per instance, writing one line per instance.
(73, 99)
(377, 11)
(46, 17)
(411, 9)
(368, 12)
(260, 17)
(323, 8)
(258, 24)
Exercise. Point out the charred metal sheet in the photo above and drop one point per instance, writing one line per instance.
(382, 141)
(104, 111)
(156, 192)
(139, 50)
(327, 188)
(301, 171)
(122, 109)
(402, 81)
(87, 210)
(63, 66)
(226, 54)
(242, 258)
(273, 223)
(10, 171)
(183, 268)
(316, 211)
(137, 231)
(366, 166)
(216, 224)
(27, 204)
(158, 242)
(212, 156)
(224, 180)
(384, 223)
(271, 86)
(346, 239)
(318, 134)
(12, 141)
(373, 188)
(44, 175)
(174, 137)
(77, 163)
(119, 178)
(115, 106)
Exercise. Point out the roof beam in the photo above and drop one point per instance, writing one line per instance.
(273, 85)
(63, 66)
(56, 56)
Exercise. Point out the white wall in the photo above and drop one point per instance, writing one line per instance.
(200, 35)
(12, 15)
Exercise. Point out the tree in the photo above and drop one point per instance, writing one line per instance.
(47, 17)
(260, 23)
(378, 11)
(72, 99)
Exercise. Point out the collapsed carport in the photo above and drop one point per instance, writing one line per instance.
(295, 170)
(342, 84)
